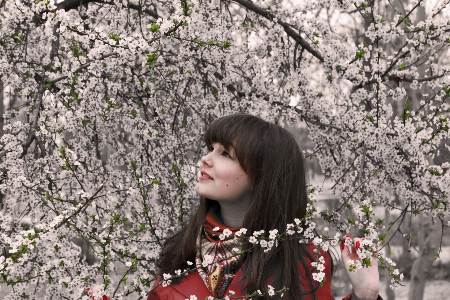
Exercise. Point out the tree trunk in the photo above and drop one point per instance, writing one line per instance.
(2, 108)
(429, 238)
(389, 293)
(2, 111)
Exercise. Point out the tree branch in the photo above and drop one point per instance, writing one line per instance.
(407, 15)
(429, 78)
(88, 201)
(73, 4)
(33, 125)
(287, 28)
(31, 136)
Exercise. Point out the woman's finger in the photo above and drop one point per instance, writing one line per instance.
(356, 244)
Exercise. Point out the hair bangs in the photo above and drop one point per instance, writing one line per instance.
(222, 131)
(244, 133)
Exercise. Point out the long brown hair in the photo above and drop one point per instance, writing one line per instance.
(274, 163)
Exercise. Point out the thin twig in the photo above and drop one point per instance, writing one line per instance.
(88, 201)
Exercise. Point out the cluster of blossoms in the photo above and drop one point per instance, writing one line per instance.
(319, 266)
(257, 239)
(106, 103)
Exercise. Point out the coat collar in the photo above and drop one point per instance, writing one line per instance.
(194, 285)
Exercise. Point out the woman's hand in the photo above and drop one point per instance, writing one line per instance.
(365, 281)
(92, 291)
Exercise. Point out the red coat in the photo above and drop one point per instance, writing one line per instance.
(194, 285)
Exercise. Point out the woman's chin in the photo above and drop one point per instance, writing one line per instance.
(198, 190)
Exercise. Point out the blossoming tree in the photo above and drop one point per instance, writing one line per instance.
(107, 101)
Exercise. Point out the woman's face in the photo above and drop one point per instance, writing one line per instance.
(222, 178)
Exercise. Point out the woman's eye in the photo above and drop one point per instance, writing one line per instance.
(224, 153)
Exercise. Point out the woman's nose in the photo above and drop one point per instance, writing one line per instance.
(205, 160)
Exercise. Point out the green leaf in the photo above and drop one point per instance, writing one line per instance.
(151, 60)
(75, 51)
(74, 95)
(367, 262)
(175, 168)
(114, 37)
(74, 79)
(133, 164)
(360, 54)
(62, 151)
(434, 172)
(437, 255)
(366, 209)
(154, 28)
(225, 45)
(407, 23)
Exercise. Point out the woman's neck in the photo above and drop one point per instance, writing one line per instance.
(233, 214)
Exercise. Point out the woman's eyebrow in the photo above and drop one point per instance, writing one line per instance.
(230, 148)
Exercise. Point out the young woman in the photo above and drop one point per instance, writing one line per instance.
(252, 177)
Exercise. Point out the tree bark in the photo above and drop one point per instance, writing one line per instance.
(429, 238)
(2, 122)
(2, 108)
(390, 294)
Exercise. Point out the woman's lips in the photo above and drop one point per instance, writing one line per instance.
(205, 176)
